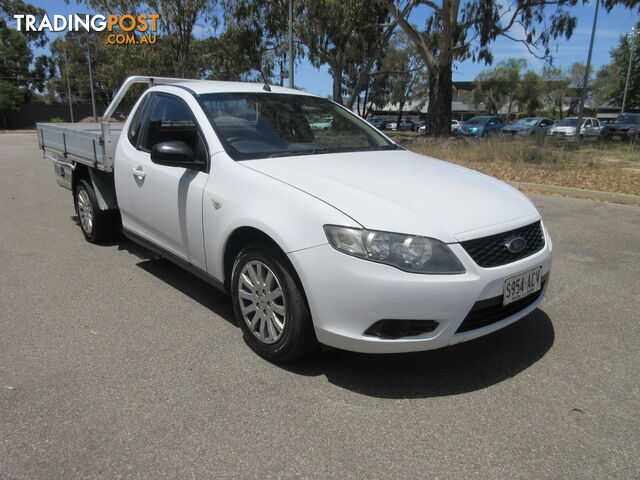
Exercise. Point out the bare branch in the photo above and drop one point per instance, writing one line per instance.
(410, 30)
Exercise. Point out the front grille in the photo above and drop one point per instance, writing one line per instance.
(486, 312)
(492, 251)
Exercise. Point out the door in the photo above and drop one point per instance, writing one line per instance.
(126, 159)
(596, 128)
(167, 200)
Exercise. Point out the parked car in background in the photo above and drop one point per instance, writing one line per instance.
(528, 126)
(625, 127)
(420, 126)
(480, 126)
(379, 123)
(407, 125)
(591, 128)
(455, 125)
(392, 126)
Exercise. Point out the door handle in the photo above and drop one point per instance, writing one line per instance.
(139, 172)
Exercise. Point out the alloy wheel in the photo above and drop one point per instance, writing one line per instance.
(262, 302)
(85, 211)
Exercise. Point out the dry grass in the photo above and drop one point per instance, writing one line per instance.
(604, 167)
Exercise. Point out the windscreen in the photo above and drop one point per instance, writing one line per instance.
(568, 122)
(530, 122)
(263, 125)
(477, 121)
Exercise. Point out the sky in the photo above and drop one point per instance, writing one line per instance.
(318, 81)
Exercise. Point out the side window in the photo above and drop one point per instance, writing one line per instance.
(171, 120)
(587, 124)
(136, 122)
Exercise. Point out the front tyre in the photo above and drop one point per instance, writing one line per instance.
(270, 307)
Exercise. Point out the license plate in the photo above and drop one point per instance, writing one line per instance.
(520, 286)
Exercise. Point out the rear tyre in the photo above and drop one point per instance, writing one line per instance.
(270, 307)
(97, 225)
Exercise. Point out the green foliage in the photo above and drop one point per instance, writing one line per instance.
(498, 87)
(9, 8)
(17, 80)
(554, 90)
(404, 73)
(346, 35)
(178, 20)
(56, 120)
(11, 99)
(529, 93)
(260, 29)
(611, 78)
(456, 30)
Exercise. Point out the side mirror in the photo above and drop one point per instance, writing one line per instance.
(175, 154)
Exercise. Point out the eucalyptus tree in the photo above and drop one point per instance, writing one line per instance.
(20, 74)
(459, 30)
(499, 86)
(178, 20)
(344, 34)
(611, 78)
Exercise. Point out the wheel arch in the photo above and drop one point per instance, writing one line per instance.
(246, 235)
(102, 183)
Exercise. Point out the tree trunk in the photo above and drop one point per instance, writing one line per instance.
(336, 74)
(361, 81)
(400, 109)
(365, 110)
(440, 97)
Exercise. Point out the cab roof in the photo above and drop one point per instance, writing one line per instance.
(215, 86)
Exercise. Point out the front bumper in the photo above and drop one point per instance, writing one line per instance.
(347, 295)
(515, 132)
(619, 134)
(562, 134)
(462, 133)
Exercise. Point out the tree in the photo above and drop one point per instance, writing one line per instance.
(555, 87)
(177, 18)
(575, 80)
(232, 55)
(456, 30)
(499, 86)
(611, 78)
(17, 77)
(344, 33)
(530, 92)
(404, 68)
(265, 24)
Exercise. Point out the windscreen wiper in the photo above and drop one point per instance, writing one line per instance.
(306, 151)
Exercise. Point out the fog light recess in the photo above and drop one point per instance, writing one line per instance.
(394, 329)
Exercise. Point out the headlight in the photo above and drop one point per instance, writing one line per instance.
(410, 253)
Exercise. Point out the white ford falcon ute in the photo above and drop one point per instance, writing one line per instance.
(321, 229)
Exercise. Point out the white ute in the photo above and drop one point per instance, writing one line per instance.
(321, 229)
